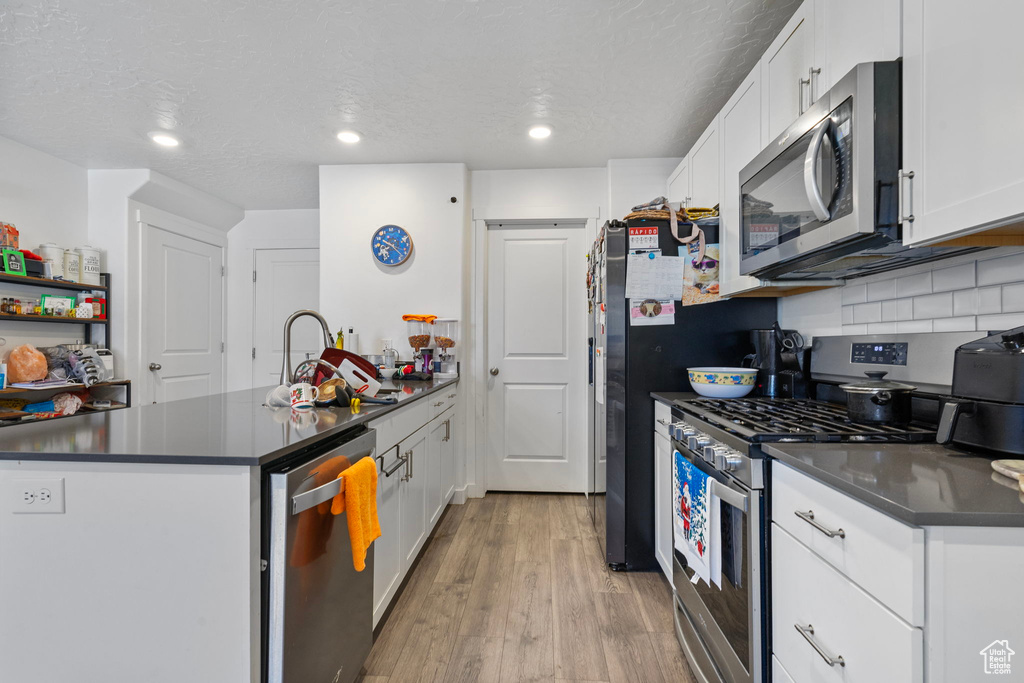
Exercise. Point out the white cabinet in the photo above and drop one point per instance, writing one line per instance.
(705, 171)
(448, 457)
(849, 33)
(663, 503)
(436, 444)
(387, 552)
(786, 70)
(964, 151)
(413, 496)
(679, 183)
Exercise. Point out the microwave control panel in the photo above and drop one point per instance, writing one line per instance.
(887, 353)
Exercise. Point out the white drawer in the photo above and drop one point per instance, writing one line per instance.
(400, 423)
(875, 644)
(880, 554)
(441, 400)
(662, 419)
(779, 673)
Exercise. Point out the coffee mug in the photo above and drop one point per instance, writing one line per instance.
(303, 394)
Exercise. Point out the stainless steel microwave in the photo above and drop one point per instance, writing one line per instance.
(822, 200)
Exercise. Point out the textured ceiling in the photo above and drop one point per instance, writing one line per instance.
(256, 89)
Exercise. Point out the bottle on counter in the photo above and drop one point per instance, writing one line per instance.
(353, 340)
(340, 344)
(390, 354)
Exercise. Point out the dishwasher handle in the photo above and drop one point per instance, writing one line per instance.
(355, 450)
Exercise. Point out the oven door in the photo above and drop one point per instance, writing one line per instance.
(727, 620)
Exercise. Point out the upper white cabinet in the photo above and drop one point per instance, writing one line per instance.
(964, 151)
(679, 183)
(705, 174)
(786, 70)
(849, 33)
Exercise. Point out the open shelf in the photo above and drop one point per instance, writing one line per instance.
(54, 319)
(45, 283)
(76, 387)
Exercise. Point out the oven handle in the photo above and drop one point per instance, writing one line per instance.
(818, 204)
(734, 498)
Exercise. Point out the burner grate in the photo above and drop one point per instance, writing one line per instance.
(771, 419)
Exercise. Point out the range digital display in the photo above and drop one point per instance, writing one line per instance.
(888, 353)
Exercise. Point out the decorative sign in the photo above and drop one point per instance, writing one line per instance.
(14, 262)
(643, 238)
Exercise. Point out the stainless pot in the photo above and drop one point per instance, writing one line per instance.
(878, 401)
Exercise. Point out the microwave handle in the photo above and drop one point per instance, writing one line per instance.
(818, 204)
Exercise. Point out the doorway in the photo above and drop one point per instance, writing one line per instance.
(284, 281)
(536, 357)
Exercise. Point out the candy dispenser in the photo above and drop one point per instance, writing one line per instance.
(420, 334)
(446, 336)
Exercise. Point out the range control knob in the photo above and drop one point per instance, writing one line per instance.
(728, 460)
(698, 442)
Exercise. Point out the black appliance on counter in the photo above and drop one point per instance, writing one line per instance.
(725, 630)
(779, 359)
(986, 410)
(632, 361)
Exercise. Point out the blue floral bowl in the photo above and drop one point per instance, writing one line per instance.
(722, 382)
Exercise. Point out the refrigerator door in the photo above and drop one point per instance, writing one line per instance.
(320, 608)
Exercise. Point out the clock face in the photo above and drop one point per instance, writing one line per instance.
(391, 245)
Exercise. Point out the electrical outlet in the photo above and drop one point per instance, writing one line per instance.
(37, 496)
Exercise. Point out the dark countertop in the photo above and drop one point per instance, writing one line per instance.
(920, 484)
(223, 429)
(671, 397)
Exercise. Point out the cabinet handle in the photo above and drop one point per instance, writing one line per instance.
(448, 429)
(663, 422)
(407, 460)
(908, 215)
(808, 632)
(401, 461)
(809, 518)
(452, 395)
(811, 73)
(439, 404)
(800, 83)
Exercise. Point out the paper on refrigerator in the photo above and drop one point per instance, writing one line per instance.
(649, 275)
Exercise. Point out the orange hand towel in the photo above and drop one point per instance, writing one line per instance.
(359, 499)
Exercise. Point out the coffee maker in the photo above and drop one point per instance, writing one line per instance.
(780, 359)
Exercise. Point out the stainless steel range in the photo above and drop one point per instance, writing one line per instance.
(724, 628)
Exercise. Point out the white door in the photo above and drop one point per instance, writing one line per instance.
(848, 33)
(705, 158)
(387, 550)
(285, 281)
(741, 141)
(432, 470)
(663, 503)
(183, 296)
(785, 72)
(537, 357)
(448, 457)
(413, 495)
(965, 155)
(679, 183)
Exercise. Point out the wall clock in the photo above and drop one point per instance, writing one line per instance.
(391, 245)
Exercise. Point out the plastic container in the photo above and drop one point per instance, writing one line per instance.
(446, 333)
(89, 264)
(390, 354)
(420, 334)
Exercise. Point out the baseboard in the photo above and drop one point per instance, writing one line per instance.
(459, 496)
(475, 490)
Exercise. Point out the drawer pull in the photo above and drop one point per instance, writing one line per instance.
(808, 632)
(663, 422)
(438, 404)
(809, 518)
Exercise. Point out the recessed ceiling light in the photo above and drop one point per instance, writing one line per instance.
(164, 139)
(540, 132)
(349, 137)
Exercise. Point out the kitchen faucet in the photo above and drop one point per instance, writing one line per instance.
(286, 362)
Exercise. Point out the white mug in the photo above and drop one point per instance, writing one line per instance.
(303, 394)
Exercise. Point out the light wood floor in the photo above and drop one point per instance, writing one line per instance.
(514, 588)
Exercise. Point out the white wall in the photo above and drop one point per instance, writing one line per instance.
(492, 191)
(356, 291)
(636, 181)
(288, 228)
(978, 292)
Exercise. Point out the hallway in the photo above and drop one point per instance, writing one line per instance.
(513, 588)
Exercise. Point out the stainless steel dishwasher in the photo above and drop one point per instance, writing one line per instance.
(319, 616)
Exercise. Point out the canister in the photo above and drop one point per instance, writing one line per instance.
(89, 264)
(55, 255)
(71, 263)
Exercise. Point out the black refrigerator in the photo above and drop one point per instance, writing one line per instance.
(628, 363)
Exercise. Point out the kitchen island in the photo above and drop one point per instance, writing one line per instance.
(145, 560)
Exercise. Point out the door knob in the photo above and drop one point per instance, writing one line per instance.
(494, 372)
(155, 366)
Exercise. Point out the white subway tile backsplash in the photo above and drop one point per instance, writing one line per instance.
(933, 306)
(855, 294)
(913, 285)
(882, 328)
(847, 315)
(996, 271)
(913, 326)
(854, 329)
(963, 324)
(950, 279)
(868, 313)
(990, 300)
(965, 302)
(1013, 298)
(904, 309)
(888, 311)
(999, 322)
(878, 291)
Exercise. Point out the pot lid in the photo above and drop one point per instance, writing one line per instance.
(876, 383)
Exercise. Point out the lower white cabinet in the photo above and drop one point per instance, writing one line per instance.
(448, 457)
(387, 550)
(436, 443)
(413, 495)
(663, 503)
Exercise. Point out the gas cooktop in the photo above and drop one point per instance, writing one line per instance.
(760, 420)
